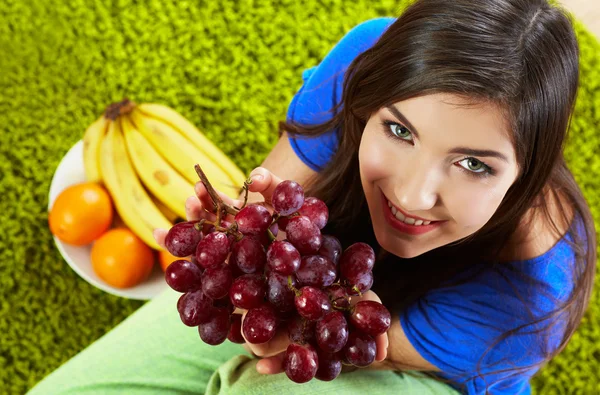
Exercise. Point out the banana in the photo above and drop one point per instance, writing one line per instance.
(187, 129)
(132, 202)
(167, 212)
(183, 155)
(92, 139)
(157, 175)
(142, 200)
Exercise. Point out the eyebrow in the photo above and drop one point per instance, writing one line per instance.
(456, 150)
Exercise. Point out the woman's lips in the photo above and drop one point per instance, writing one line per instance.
(412, 229)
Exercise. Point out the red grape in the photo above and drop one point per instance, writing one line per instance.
(317, 271)
(338, 296)
(331, 248)
(304, 235)
(215, 330)
(300, 362)
(260, 324)
(357, 259)
(287, 197)
(253, 219)
(248, 291)
(359, 285)
(316, 210)
(235, 330)
(248, 255)
(216, 281)
(279, 293)
(183, 276)
(182, 238)
(370, 317)
(332, 332)
(213, 249)
(283, 257)
(330, 366)
(360, 349)
(194, 308)
(301, 330)
(312, 303)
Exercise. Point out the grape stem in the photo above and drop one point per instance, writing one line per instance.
(220, 207)
(245, 188)
(336, 307)
(198, 225)
(291, 286)
(231, 230)
(219, 228)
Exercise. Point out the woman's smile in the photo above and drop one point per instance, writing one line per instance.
(406, 224)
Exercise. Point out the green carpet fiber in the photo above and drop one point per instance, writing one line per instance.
(229, 66)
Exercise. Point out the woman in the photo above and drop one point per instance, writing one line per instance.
(436, 138)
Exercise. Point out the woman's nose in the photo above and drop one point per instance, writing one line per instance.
(418, 188)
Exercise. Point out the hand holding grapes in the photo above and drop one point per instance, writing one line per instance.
(305, 285)
(200, 206)
(274, 364)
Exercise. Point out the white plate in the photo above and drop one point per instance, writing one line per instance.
(70, 171)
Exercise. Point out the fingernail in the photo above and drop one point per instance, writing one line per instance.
(257, 177)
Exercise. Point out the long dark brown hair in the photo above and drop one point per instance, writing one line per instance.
(521, 55)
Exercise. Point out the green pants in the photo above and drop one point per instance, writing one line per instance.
(152, 352)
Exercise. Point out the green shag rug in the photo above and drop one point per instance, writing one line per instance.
(229, 66)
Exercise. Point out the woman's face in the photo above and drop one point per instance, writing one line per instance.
(432, 160)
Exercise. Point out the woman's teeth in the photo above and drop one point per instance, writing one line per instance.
(410, 221)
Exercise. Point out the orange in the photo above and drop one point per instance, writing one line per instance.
(81, 213)
(122, 259)
(165, 258)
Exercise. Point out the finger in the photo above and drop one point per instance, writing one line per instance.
(263, 182)
(203, 196)
(194, 210)
(208, 205)
(271, 365)
(382, 343)
(159, 235)
(206, 200)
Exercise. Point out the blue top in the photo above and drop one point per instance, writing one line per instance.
(454, 328)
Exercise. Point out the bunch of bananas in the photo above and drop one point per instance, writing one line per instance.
(144, 154)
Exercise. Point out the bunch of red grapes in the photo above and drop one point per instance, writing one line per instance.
(303, 283)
